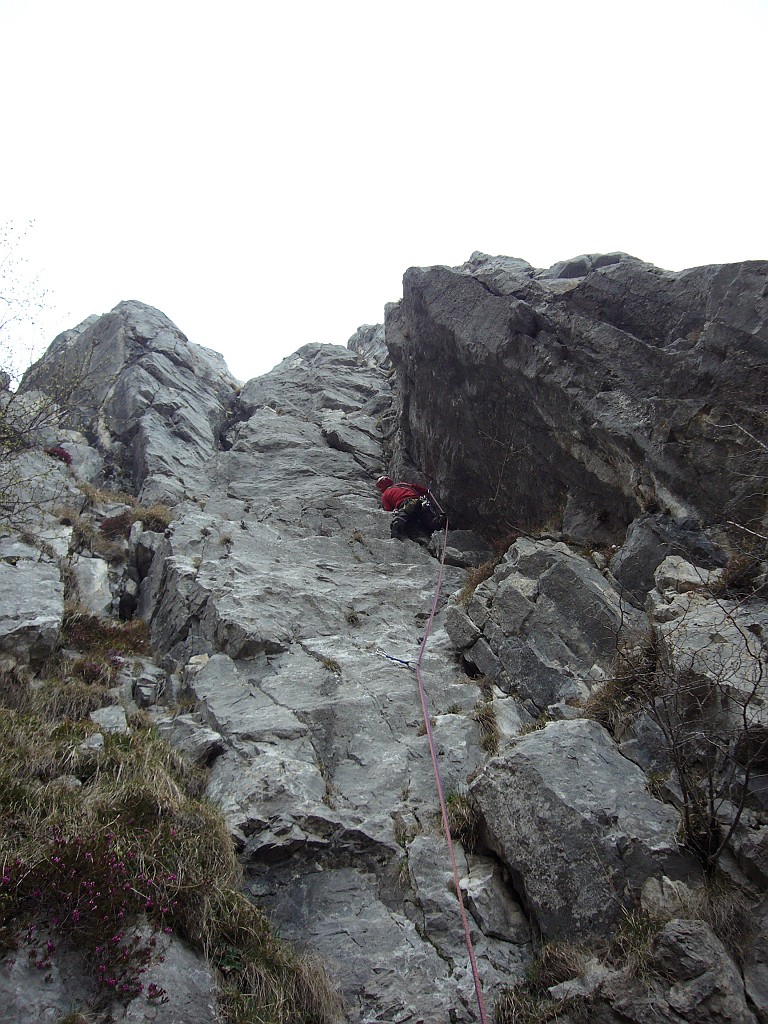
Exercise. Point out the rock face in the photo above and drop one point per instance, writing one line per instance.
(583, 395)
(285, 621)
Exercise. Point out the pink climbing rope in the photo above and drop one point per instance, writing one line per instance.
(438, 781)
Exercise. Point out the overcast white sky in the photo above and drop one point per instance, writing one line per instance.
(265, 172)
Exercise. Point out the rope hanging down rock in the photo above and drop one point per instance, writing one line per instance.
(433, 754)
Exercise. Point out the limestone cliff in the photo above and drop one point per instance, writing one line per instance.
(620, 408)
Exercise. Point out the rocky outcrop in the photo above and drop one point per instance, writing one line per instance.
(151, 400)
(583, 395)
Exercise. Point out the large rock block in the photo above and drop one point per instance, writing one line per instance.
(31, 609)
(575, 824)
(549, 621)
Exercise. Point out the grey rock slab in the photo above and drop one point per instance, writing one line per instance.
(30, 994)
(190, 986)
(314, 379)
(504, 958)
(93, 584)
(111, 719)
(488, 899)
(369, 341)
(466, 549)
(50, 995)
(233, 704)
(31, 609)
(650, 540)
(678, 574)
(461, 629)
(720, 640)
(155, 401)
(386, 971)
(707, 983)
(609, 390)
(199, 744)
(573, 821)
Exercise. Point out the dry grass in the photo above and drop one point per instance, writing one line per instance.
(475, 577)
(727, 909)
(140, 798)
(557, 961)
(98, 638)
(630, 685)
(631, 947)
(462, 820)
(484, 714)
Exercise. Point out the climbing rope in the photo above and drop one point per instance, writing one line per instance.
(438, 780)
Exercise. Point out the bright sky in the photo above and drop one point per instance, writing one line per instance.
(264, 172)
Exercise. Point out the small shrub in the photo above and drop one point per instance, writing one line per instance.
(332, 665)
(70, 699)
(727, 909)
(118, 525)
(557, 961)
(742, 576)
(656, 782)
(157, 518)
(14, 688)
(534, 726)
(142, 858)
(402, 832)
(102, 671)
(530, 1002)
(99, 496)
(57, 452)
(518, 1006)
(83, 892)
(630, 686)
(752, 747)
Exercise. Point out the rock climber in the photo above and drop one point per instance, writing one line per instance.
(409, 505)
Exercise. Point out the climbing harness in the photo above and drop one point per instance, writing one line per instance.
(416, 667)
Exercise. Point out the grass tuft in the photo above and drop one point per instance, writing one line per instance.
(463, 820)
(485, 716)
(475, 577)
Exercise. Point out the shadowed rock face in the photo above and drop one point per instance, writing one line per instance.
(581, 395)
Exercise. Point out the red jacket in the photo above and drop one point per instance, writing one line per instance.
(395, 495)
